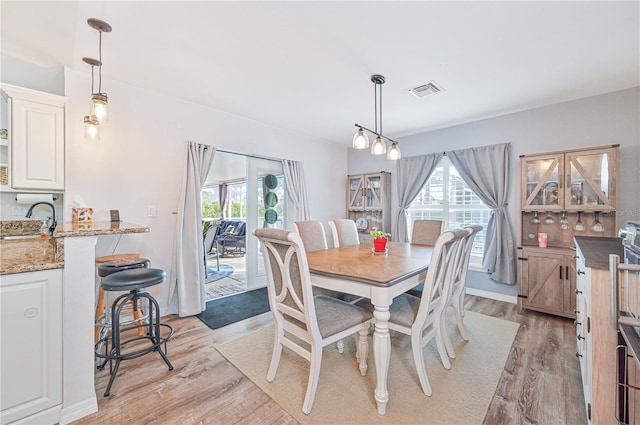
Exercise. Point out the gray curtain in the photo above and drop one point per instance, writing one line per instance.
(486, 170)
(187, 290)
(222, 195)
(413, 172)
(297, 188)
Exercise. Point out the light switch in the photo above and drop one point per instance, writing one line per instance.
(152, 210)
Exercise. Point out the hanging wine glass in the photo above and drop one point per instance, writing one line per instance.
(564, 221)
(597, 226)
(579, 226)
(535, 219)
(548, 219)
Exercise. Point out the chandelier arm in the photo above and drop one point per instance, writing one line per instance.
(376, 133)
(100, 67)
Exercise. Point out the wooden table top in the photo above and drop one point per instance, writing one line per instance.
(358, 262)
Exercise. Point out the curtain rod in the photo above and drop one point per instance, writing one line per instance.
(248, 155)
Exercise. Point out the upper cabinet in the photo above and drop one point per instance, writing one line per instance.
(369, 202)
(35, 148)
(579, 180)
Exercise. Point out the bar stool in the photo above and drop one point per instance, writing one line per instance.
(105, 268)
(134, 281)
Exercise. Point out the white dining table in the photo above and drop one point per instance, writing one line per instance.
(359, 271)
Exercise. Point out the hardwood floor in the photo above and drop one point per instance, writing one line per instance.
(540, 383)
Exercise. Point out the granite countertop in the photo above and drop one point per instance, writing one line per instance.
(97, 228)
(24, 249)
(596, 250)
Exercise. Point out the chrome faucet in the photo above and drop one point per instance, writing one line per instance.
(53, 218)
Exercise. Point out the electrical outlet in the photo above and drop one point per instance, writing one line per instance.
(151, 210)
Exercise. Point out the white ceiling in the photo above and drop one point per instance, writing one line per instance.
(305, 66)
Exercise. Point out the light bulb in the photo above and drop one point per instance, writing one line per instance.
(100, 107)
(91, 129)
(378, 147)
(360, 140)
(394, 152)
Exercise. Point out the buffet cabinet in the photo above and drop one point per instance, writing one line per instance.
(369, 202)
(563, 194)
(32, 157)
(31, 347)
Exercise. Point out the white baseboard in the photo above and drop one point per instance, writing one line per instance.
(493, 295)
(78, 410)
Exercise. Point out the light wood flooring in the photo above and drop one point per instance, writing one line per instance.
(540, 383)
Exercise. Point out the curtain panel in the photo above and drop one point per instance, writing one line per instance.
(486, 170)
(413, 173)
(187, 290)
(297, 188)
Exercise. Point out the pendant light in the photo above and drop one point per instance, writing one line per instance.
(378, 147)
(99, 107)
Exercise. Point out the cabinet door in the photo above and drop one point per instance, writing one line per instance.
(541, 178)
(544, 284)
(569, 277)
(373, 191)
(591, 179)
(31, 352)
(37, 145)
(356, 199)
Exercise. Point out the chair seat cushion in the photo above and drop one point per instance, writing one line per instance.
(335, 315)
(128, 280)
(110, 267)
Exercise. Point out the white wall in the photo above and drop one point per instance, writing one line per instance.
(613, 118)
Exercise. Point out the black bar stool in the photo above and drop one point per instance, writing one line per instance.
(134, 281)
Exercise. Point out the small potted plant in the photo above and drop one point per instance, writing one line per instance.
(379, 239)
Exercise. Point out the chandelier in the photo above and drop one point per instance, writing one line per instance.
(361, 140)
(99, 107)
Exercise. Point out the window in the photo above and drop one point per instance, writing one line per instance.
(447, 197)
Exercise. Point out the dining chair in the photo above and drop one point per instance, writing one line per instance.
(426, 232)
(459, 284)
(344, 232)
(299, 316)
(421, 318)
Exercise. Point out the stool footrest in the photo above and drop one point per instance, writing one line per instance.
(156, 343)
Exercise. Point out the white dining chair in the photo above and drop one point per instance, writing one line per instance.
(459, 284)
(426, 232)
(421, 318)
(312, 234)
(344, 232)
(317, 321)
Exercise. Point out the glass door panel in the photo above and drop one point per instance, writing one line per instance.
(588, 179)
(373, 192)
(356, 200)
(542, 183)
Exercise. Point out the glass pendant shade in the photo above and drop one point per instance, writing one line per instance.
(378, 147)
(360, 140)
(91, 128)
(100, 107)
(394, 152)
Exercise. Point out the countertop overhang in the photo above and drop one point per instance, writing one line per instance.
(97, 228)
(596, 250)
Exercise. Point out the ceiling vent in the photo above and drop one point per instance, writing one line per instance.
(425, 90)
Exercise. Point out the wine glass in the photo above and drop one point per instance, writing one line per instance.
(548, 219)
(535, 219)
(579, 226)
(564, 221)
(597, 226)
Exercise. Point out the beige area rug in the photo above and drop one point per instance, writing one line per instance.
(461, 395)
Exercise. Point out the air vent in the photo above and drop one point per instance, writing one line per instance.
(425, 90)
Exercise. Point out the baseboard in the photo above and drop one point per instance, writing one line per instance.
(493, 295)
(78, 410)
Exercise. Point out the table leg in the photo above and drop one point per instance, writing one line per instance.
(381, 355)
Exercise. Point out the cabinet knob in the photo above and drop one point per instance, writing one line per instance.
(580, 272)
(578, 355)
(580, 337)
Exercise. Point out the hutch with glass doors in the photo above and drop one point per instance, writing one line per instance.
(563, 194)
(369, 202)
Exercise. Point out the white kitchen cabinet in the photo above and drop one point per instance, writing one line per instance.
(31, 347)
(36, 139)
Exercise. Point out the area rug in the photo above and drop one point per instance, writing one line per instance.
(224, 311)
(461, 395)
(213, 274)
(223, 288)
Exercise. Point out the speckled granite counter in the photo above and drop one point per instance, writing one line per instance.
(23, 249)
(596, 250)
(97, 228)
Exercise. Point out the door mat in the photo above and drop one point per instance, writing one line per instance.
(224, 311)
(213, 274)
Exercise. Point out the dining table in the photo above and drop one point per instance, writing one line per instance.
(380, 277)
